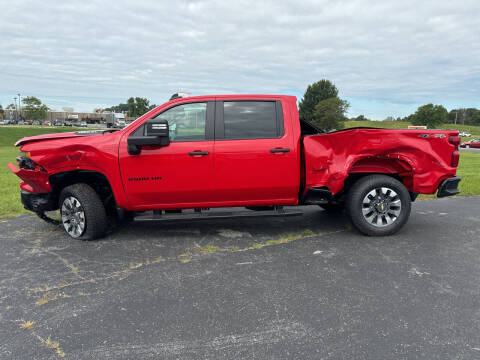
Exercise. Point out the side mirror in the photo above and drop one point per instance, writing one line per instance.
(157, 127)
(156, 134)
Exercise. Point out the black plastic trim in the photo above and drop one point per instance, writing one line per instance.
(449, 187)
(316, 196)
(210, 121)
(38, 202)
(279, 113)
(413, 195)
(219, 124)
(273, 151)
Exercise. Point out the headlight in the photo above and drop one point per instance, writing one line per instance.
(25, 163)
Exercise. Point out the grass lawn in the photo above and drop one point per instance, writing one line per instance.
(10, 194)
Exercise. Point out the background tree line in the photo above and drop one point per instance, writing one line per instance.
(32, 108)
(322, 107)
(134, 107)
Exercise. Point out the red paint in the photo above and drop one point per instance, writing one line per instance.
(421, 161)
(241, 172)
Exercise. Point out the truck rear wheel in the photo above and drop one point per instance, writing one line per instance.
(82, 212)
(378, 205)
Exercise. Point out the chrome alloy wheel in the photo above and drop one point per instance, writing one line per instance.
(381, 207)
(73, 217)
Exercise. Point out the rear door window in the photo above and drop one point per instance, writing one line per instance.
(250, 119)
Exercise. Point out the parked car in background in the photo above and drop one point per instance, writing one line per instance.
(463, 133)
(58, 122)
(28, 122)
(36, 122)
(471, 144)
(21, 122)
(47, 123)
(67, 123)
(82, 124)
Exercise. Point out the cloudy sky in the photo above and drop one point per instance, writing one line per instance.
(386, 57)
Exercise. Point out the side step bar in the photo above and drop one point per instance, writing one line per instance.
(217, 214)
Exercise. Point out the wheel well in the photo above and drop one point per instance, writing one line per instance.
(352, 178)
(405, 179)
(95, 179)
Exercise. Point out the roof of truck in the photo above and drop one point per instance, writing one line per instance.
(236, 97)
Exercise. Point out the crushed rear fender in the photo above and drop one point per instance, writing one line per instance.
(422, 158)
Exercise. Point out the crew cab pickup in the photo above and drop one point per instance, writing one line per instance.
(192, 155)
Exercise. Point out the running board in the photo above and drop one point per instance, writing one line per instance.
(209, 215)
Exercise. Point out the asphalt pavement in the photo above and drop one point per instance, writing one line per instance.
(304, 287)
(470, 150)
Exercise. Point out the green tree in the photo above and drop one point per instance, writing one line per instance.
(34, 109)
(476, 118)
(138, 106)
(118, 108)
(452, 116)
(360, 118)
(316, 92)
(1, 111)
(330, 113)
(132, 111)
(430, 115)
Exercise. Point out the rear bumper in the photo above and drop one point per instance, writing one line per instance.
(449, 187)
(38, 202)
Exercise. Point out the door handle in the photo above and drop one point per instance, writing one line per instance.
(273, 151)
(198, 153)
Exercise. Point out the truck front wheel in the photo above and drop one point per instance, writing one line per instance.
(378, 205)
(82, 212)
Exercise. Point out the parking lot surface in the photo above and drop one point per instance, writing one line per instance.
(304, 287)
(471, 150)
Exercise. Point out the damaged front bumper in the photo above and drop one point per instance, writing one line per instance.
(35, 190)
(35, 181)
(38, 203)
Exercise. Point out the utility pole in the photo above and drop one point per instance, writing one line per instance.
(16, 115)
(19, 105)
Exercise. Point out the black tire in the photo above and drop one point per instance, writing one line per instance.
(400, 204)
(333, 207)
(94, 212)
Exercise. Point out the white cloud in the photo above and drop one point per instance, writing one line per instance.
(381, 55)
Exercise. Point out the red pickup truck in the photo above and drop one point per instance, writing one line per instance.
(193, 154)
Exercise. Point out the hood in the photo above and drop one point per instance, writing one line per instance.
(65, 135)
